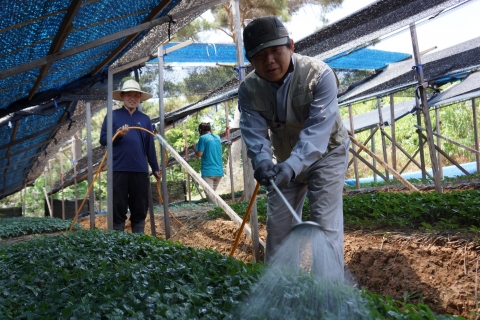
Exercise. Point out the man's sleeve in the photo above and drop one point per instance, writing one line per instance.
(201, 144)
(254, 130)
(314, 137)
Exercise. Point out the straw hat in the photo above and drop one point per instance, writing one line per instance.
(131, 85)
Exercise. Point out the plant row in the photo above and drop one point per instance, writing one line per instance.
(20, 226)
(459, 210)
(116, 275)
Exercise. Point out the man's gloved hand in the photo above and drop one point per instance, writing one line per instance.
(264, 172)
(284, 173)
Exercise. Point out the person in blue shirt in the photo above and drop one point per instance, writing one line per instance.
(133, 151)
(209, 148)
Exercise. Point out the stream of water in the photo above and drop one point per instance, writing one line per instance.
(304, 280)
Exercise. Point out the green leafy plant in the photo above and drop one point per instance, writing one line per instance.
(20, 226)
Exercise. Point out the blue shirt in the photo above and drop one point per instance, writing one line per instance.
(210, 145)
(132, 151)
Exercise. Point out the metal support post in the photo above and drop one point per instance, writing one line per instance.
(374, 161)
(382, 127)
(91, 195)
(475, 131)
(354, 147)
(392, 127)
(166, 217)
(439, 141)
(109, 151)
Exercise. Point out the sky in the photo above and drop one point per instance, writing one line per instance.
(444, 31)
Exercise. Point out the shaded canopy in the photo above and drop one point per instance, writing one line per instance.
(55, 54)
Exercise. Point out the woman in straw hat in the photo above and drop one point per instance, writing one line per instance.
(131, 151)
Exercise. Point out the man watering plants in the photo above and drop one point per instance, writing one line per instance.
(289, 110)
(132, 149)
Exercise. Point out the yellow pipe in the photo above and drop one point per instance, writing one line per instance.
(100, 169)
(247, 213)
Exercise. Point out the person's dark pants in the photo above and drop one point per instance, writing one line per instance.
(130, 191)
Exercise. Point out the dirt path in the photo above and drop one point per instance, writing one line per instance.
(439, 270)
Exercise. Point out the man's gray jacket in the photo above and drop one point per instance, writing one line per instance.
(302, 115)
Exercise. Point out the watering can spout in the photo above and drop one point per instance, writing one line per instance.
(306, 224)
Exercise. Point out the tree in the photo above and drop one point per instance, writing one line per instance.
(251, 9)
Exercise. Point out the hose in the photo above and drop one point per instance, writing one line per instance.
(100, 169)
(247, 213)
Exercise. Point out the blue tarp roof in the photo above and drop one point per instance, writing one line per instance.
(55, 51)
(362, 59)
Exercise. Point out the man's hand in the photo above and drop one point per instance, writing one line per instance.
(284, 174)
(157, 175)
(264, 172)
(123, 130)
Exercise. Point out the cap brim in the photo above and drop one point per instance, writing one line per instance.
(272, 43)
(116, 95)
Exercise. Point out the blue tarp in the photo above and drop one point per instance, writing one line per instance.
(362, 59)
(365, 59)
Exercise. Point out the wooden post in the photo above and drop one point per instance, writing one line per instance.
(382, 128)
(439, 142)
(354, 147)
(392, 127)
(426, 114)
(196, 177)
(109, 150)
(385, 165)
(48, 203)
(475, 130)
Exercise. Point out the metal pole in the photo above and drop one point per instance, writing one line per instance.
(382, 127)
(110, 151)
(61, 182)
(24, 202)
(91, 196)
(354, 147)
(229, 146)
(475, 130)
(249, 184)
(392, 127)
(150, 210)
(426, 114)
(439, 141)
(420, 140)
(374, 161)
(186, 159)
(166, 217)
(51, 185)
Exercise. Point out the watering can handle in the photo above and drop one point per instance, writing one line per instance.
(285, 201)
